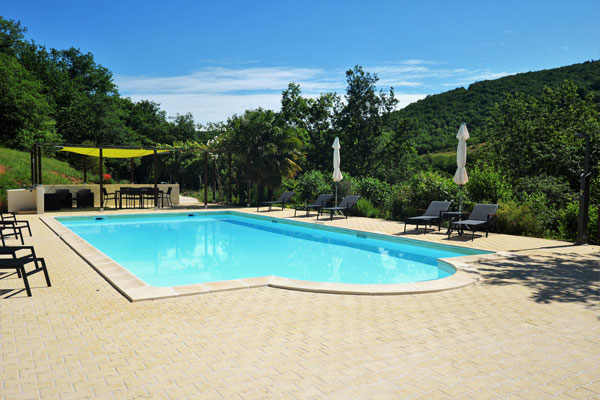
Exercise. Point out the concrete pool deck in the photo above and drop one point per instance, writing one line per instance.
(529, 328)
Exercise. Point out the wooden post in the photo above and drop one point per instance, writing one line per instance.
(32, 162)
(205, 179)
(229, 178)
(39, 165)
(101, 181)
(84, 169)
(177, 159)
(214, 179)
(155, 180)
(248, 179)
(132, 177)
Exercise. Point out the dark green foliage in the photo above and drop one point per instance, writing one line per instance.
(438, 117)
(361, 121)
(311, 184)
(487, 185)
(555, 189)
(428, 186)
(373, 189)
(364, 208)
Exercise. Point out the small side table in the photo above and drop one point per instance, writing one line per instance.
(451, 216)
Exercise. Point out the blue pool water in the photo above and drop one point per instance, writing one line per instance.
(181, 249)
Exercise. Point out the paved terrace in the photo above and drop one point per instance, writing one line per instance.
(530, 329)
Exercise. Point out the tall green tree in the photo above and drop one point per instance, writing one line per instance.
(361, 120)
(528, 136)
(25, 114)
(273, 151)
(313, 120)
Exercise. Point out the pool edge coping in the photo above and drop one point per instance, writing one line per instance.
(134, 289)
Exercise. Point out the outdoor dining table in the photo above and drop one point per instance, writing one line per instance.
(138, 194)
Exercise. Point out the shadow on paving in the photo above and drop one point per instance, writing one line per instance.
(567, 277)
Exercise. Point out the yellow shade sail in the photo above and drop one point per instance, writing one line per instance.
(111, 153)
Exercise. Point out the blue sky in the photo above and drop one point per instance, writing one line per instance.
(217, 58)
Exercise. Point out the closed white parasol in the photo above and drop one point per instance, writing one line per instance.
(337, 174)
(461, 177)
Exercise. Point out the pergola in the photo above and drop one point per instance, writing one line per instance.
(121, 152)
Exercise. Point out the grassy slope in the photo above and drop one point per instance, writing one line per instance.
(15, 171)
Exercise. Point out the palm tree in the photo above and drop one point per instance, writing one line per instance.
(271, 151)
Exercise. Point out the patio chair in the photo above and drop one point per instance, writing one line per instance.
(109, 196)
(133, 195)
(346, 204)
(283, 200)
(18, 264)
(85, 198)
(166, 196)
(321, 201)
(65, 198)
(5, 231)
(11, 216)
(481, 217)
(147, 194)
(432, 215)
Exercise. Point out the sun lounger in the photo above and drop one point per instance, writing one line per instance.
(320, 202)
(432, 215)
(480, 218)
(18, 263)
(283, 200)
(12, 217)
(346, 204)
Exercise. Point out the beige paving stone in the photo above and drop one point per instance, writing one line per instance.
(528, 329)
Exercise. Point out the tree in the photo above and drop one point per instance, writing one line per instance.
(24, 109)
(361, 120)
(313, 121)
(531, 137)
(272, 151)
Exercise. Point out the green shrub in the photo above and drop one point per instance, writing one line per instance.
(518, 219)
(373, 189)
(488, 185)
(428, 186)
(568, 220)
(556, 189)
(310, 185)
(398, 205)
(364, 208)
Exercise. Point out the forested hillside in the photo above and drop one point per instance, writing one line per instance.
(438, 117)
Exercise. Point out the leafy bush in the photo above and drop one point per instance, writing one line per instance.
(556, 189)
(375, 190)
(488, 185)
(428, 186)
(310, 185)
(364, 208)
(568, 222)
(517, 219)
(398, 205)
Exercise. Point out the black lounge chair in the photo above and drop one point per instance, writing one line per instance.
(18, 264)
(321, 201)
(283, 200)
(432, 215)
(12, 217)
(346, 204)
(5, 231)
(481, 217)
(85, 198)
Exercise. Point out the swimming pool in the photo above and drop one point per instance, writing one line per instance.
(166, 250)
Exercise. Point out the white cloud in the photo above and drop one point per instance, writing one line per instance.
(213, 94)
